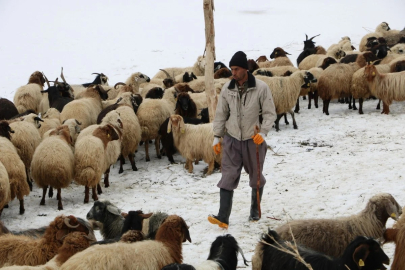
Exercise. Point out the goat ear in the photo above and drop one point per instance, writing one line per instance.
(169, 126)
(113, 210)
(360, 254)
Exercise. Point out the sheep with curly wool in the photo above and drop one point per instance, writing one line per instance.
(23, 250)
(14, 165)
(53, 163)
(148, 254)
(194, 142)
(85, 109)
(5, 193)
(151, 114)
(386, 86)
(335, 81)
(7, 109)
(198, 69)
(275, 253)
(90, 163)
(28, 97)
(331, 236)
(51, 120)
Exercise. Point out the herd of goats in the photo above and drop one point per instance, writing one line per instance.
(75, 133)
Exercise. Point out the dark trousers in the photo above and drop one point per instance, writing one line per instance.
(236, 154)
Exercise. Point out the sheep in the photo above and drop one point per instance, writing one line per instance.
(29, 96)
(51, 120)
(23, 250)
(14, 165)
(86, 109)
(7, 109)
(193, 142)
(280, 59)
(381, 30)
(396, 235)
(72, 243)
(151, 114)
(331, 236)
(315, 60)
(53, 163)
(185, 106)
(198, 69)
(395, 38)
(285, 92)
(262, 58)
(273, 252)
(252, 65)
(89, 164)
(5, 194)
(135, 80)
(385, 86)
(222, 73)
(152, 254)
(335, 81)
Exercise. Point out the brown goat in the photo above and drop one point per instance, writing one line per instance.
(23, 250)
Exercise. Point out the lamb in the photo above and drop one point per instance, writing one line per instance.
(198, 69)
(85, 109)
(152, 254)
(29, 96)
(361, 253)
(51, 120)
(72, 243)
(193, 142)
(185, 106)
(151, 114)
(5, 195)
(23, 250)
(331, 236)
(53, 163)
(280, 59)
(15, 167)
(88, 165)
(285, 92)
(396, 235)
(7, 109)
(335, 81)
(385, 86)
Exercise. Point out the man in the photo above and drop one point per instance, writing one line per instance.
(241, 102)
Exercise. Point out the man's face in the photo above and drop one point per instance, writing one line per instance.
(239, 74)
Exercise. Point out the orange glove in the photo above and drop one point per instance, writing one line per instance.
(258, 138)
(216, 145)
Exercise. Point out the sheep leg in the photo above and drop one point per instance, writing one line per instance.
(94, 193)
(59, 197)
(285, 119)
(316, 99)
(277, 126)
(189, 164)
(157, 147)
(326, 106)
(86, 194)
(29, 181)
(43, 195)
(297, 105)
(50, 193)
(122, 162)
(99, 190)
(22, 209)
(294, 123)
(147, 150)
(310, 97)
(106, 177)
(378, 105)
(131, 158)
(360, 105)
(210, 168)
(350, 102)
(386, 108)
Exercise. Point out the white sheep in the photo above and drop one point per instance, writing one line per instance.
(5, 195)
(194, 142)
(14, 166)
(53, 163)
(51, 120)
(381, 30)
(74, 129)
(28, 97)
(86, 109)
(151, 114)
(198, 69)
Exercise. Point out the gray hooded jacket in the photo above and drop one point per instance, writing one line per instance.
(237, 116)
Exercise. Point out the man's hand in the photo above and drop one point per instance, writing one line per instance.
(258, 138)
(216, 145)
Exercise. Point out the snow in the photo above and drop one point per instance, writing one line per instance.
(327, 168)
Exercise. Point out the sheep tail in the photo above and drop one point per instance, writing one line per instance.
(85, 176)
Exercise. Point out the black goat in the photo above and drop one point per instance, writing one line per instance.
(362, 253)
(309, 48)
(185, 106)
(155, 93)
(58, 95)
(100, 79)
(7, 109)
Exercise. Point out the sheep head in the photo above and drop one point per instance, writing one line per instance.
(173, 227)
(383, 26)
(5, 129)
(183, 101)
(183, 87)
(327, 62)
(252, 65)
(308, 79)
(262, 58)
(278, 52)
(177, 122)
(101, 79)
(384, 206)
(37, 77)
(201, 63)
(134, 220)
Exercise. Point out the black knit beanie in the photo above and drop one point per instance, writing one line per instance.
(239, 59)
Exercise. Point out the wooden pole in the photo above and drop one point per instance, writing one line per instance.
(210, 57)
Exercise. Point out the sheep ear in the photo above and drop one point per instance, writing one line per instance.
(113, 210)
(169, 126)
(360, 254)
(182, 126)
(186, 231)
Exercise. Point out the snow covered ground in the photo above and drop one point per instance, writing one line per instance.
(327, 168)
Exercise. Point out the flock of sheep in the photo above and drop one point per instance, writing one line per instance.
(76, 132)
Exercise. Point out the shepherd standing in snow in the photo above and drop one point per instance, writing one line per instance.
(241, 102)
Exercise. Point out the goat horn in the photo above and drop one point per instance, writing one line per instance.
(67, 223)
(306, 37)
(314, 36)
(119, 83)
(46, 79)
(63, 77)
(167, 74)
